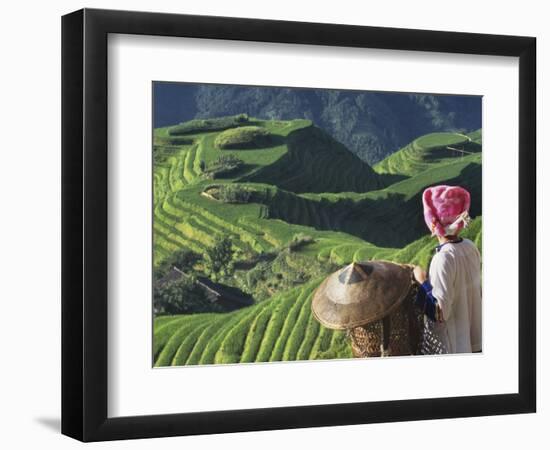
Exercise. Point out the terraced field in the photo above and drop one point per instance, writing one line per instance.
(279, 329)
(393, 218)
(315, 162)
(422, 153)
(306, 183)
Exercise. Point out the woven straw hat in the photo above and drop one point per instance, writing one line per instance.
(360, 293)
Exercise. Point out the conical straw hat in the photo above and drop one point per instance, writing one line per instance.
(360, 293)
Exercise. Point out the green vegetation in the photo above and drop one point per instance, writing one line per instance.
(220, 257)
(475, 136)
(181, 296)
(244, 137)
(224, 166)
(315, 162)
(281, 327)
(277, 221)
(184, 259)
(372, 125)
(284, 270)
(204, 125)
(172, 140)
(426, 151)
(230, 193)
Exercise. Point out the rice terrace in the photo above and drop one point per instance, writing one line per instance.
(251, 214)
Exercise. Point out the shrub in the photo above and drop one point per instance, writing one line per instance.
(181, 296)
(224, 165)
(243, 137)
(232, 193)
(203, 125)
(287, 270)
(183, 259)
(299, 240)
(227, 160)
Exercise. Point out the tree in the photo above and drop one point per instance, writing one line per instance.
(220, 257)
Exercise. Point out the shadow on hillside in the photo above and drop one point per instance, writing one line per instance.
(445, 152)
(253, 262)
(401, 221)
(262, 142)
(387, 179)
(391, 221)
(228, 297)
(236, 173)
(221, 296)
(316, 162)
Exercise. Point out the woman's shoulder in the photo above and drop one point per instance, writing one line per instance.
(468, 243)
(468, 249)
(446, 258)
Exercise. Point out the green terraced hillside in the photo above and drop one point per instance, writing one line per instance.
(315, 162)
(422, 153)
(387, 217)
(279, 329)
(184, 218)
(475, 136)
(299, 182)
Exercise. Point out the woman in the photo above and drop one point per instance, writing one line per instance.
(451, 296)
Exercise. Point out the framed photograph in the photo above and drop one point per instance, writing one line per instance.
(273, 224)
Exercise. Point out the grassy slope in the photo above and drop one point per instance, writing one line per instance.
(184, 218)
(383, 217)
(422, 153)
(282, 328)
(315, 162)
(476, 136)
(279, 329)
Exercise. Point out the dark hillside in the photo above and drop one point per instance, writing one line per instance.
(315, 162)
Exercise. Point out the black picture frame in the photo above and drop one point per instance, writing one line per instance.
(84, 224)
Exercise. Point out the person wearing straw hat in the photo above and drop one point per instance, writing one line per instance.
(451, 293)
(372, 301)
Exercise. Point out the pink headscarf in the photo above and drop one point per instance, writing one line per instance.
(446, 209)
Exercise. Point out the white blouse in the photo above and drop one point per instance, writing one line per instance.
(455, 276)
